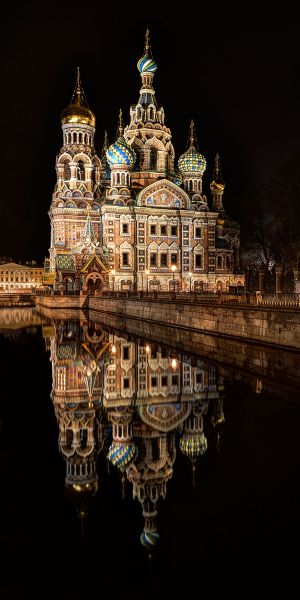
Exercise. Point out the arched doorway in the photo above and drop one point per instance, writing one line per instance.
(68, 285)
(94, 283)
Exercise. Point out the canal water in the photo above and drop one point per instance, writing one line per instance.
(137, 469)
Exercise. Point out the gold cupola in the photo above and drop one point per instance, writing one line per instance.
(78, 112)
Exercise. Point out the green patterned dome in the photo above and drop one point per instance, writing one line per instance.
(193, 445)
(192, 162)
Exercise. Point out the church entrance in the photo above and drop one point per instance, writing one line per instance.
(94, 283)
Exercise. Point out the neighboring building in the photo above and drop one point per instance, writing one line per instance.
(131, 220)
(16, 277)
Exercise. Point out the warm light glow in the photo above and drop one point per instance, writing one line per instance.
(147, 349)
(113, 272)
(113, 349)
(173, 267)
(174, 363)
(147, 271)
(190, 274)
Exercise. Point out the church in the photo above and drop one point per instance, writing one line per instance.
(132, 219)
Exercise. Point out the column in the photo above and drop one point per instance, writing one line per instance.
(278, 284)
(261, 280)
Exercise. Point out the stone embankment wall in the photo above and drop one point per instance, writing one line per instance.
(62, 302)
(259, 324)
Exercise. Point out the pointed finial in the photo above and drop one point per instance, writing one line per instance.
(147, 44)
(105, 143)
(192, 132)
(120, 124)
(78, 94)
(217, 170)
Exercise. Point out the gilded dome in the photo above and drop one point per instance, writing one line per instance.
(79, 115)
(78, 111)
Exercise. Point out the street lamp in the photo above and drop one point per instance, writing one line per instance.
(113, 278)
(147, 273)
(190, 275)
(173, 268)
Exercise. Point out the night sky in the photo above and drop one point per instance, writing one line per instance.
(236, 74)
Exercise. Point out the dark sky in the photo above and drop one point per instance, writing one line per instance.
(236, 74)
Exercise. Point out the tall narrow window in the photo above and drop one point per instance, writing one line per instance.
(173, 259)
(125, 259)
(153, 159)
(163, 259)
(67, 171)
(153, 259)
(80, 170)
(198, 261)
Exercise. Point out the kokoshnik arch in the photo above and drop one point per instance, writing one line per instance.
(131, 220)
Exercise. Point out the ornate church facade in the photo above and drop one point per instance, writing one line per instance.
(132, 220)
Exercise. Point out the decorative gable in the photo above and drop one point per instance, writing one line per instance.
(94, 264)
(163, 194)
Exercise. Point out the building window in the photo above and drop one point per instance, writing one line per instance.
(174, 379)
(198, 232)
(153, 381)
(174, 230)
(126, 352)
(199, 378)
(152, 229)
(153, 159)
(125, 228)
(198, 261)
(163, 230)
(220, 262)
(125, 259)
(173, 259)
(163, 259)
(164, 381)
(126, 383)
(153, 259)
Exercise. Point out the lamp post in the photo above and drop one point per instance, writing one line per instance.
(173, 268)
(190, 275)
(147, 273)
(113, 279)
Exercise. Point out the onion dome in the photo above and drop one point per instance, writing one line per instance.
(146, 64)
(120, 153)
(121, 454)
(150, 539)
(78, 112)
(193, 445)
(192, 161)
(177, 178)
(217, 184)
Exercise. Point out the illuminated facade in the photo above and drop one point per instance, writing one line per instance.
(18, 277)
(130, 401)
(132, 220)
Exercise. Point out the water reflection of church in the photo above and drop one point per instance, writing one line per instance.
(135, 402)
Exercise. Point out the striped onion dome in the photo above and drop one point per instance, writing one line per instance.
(147, 64)
(150, 539)
(121, 454)
(193, 445)
(120, 153)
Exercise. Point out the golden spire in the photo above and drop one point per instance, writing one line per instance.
(78, 110)
(192, 140)
(217, 184)
(148, 51)
(105, 143)
(78, 97)
(120, 124)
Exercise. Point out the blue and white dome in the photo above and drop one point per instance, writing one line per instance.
(120, 153)
(122, 454)
(146, 64)
(192, 162)
(149, 539)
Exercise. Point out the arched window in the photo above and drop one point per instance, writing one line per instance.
(80, 138)
(153, 159)
(227, 262)
(220, 262)
(151, 113)
(123, 178)
(80, 170)
(67, 171)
